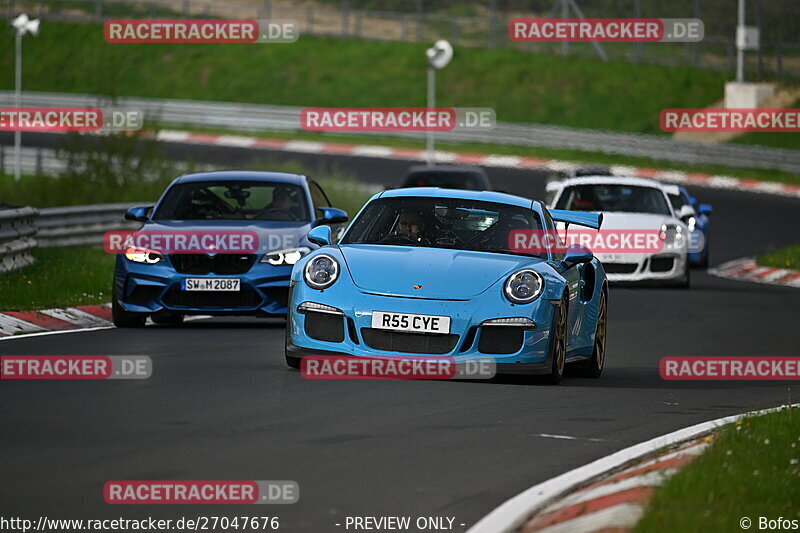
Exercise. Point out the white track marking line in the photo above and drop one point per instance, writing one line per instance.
(549, 436)
(650, 479)
(76, 316)
(372, 151)
(624, 515)
(58, 332)
(236, 140)
(11, 326)
(79, 330)
(173, 136)
(694, 450)
(304, 146)
(502, 161)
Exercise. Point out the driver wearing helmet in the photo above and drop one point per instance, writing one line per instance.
(281, 205)
(411, 224)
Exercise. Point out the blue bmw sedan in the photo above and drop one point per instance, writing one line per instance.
(166, 283)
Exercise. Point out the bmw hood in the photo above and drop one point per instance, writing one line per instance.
(271, 235)
(437, 274)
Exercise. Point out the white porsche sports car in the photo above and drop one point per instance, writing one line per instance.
(631, 205)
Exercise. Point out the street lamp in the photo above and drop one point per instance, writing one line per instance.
(438, 57)
(23, 25)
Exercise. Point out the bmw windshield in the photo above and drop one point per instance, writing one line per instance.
(451, 223)
(234, 200)
(614, 198)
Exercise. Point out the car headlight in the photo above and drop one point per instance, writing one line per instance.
(692, 223)
(671, 234)
(524, 286)
(142, 255)
(288, 256)
(321, 271)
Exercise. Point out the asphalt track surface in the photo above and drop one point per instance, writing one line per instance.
(221, 403)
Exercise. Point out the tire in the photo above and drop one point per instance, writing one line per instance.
(594, 366)
(558, 345)
(167, 318)
(682, 282)
(704, 262)
(125, 319)
(685, 281)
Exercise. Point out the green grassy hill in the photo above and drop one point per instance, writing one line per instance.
(521, 87)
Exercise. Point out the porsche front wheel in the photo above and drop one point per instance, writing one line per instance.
(594, 366)
(558, 344)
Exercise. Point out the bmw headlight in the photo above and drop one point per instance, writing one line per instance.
(524, 286)
(288, 256)
(142, 255)
(321, 271)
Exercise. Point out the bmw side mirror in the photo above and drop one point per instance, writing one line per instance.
(140, 213)
(705, 209)
(321, 235)
(331, 215)
(575, 256)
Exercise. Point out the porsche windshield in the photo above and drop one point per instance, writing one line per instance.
(614, 198)
(452, 223)
(234, 200)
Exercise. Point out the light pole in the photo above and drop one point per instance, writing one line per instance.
(739, 44)
(23, 25)
(438, 57)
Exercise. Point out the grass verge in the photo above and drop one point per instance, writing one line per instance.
(784, 258)
(60, 277)
(752, 470)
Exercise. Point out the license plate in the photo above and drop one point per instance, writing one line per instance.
(412, 323)
(211, 284)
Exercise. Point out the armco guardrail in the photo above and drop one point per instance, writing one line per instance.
(253, 117)
(24, 228)
(80, 225)
(17, 237)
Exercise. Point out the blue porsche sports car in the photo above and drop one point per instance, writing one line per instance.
(276, 209)
(445, 254)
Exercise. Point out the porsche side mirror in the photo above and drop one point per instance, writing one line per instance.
(140, 213)
(576, 255)
(321, 235)
(705, 209)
